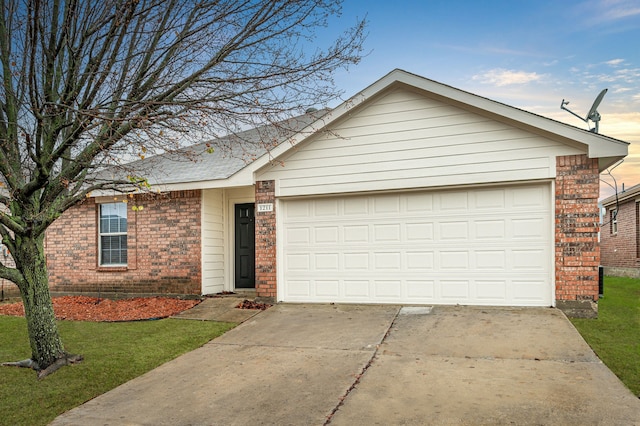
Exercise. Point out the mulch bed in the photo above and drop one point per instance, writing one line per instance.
(250, 304)
(83, 308)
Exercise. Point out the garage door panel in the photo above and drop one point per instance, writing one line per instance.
(454, 260)
(420, 289)
(299, 289)
(300, 261)
(384, 289)
(530, 260)
(356, 261)
(356, 206)
(484, 246)
(533, 229)
(298, 210)
(422, 231)
(327, 235)
(454, 290)
(491, 259)
(355, 233)
(419, 203)
(490, 199)
(386, 233)
(295, 235)
(387, 261)
(491, 290)
(490, 230)
(327, 262)
(529, 290)
(327, 288)
(419, 260)
(486, 291)
(325, 207)
(357, 289)
(458, 230)
(529, 197)
(453, 201)
(386, 204)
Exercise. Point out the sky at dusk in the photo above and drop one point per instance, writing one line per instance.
(530, 54)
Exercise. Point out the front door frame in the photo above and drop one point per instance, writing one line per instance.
(233, 196)
(249, 251)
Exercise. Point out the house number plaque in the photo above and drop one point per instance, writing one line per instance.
(267, 207)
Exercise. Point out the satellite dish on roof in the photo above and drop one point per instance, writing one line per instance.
(593, 113)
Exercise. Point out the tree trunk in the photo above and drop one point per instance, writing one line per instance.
(46, 345)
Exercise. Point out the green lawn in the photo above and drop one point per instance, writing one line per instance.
(615, 335)
(113, 354)
(117, 352)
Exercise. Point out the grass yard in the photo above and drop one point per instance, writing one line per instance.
(113, 354)
(615, 335)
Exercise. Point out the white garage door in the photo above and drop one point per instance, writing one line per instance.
(489, 246)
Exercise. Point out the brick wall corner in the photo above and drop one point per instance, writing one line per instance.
(266, 286)
(577, 253)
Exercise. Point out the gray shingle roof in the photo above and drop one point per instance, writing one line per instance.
(230, 154)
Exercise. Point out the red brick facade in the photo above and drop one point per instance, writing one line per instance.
(164, 245)
(620, 249)
(164, 241)
(266, 241)
(576, 228)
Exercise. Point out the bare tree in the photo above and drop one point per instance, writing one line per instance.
(87, 84)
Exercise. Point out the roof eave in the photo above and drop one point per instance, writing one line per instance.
(606, 162)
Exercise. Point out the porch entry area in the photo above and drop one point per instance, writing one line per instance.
(228, 240)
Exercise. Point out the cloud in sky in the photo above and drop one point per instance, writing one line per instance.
(622, 126)
(503, 77)
(609, 11)
(619, 9)
(615, 62)
(628, 74)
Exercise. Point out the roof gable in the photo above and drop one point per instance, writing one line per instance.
(608, 150)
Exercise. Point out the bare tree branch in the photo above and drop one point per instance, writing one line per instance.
(88, 86)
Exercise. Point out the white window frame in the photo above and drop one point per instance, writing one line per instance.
(614, 221)
(111, 234)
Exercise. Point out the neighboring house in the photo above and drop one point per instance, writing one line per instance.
(410, 192)
(620, 234)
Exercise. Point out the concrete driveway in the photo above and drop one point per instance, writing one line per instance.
(387, 365)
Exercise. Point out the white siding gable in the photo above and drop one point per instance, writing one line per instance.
(403, 139)
(212, 241)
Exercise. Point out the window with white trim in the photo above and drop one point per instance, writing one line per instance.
(113, 234)
(614, 221)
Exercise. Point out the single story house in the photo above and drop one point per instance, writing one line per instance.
(620, 233)
(410, 192)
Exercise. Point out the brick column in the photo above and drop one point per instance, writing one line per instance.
(266, 241)
(577, 253)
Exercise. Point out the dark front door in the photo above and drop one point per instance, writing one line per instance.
(245, 246)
